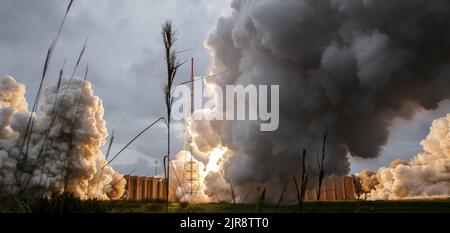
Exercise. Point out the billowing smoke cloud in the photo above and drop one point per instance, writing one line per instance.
(345, 66)
(426, 175)
(71, 159)
(200, 177)
(368, 180)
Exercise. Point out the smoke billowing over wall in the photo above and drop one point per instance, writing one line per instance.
(426, 175)
(71, 159)
(347, 67)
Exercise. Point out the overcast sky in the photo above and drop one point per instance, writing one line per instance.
(127, 67)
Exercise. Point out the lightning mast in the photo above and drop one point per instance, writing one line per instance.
(191, 174)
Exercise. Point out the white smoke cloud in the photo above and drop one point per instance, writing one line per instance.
(208, 183)
(427, 175)
(12, 99)
(71, 158)
(207, 159)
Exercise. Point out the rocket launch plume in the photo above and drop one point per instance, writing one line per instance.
(210, 184)
(71, 159)
(348, 67)
(345, 66)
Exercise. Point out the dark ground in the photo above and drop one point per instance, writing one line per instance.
(67, 203)
(410, 206)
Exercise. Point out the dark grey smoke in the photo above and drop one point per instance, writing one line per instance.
(345, 66)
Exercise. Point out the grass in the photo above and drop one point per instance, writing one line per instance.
(57, 203)
(68, 203)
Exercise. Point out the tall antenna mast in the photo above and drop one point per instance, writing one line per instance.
(192, 115)
(192, 87)
(191, 169)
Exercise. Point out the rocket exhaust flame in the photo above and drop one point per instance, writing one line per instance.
(210, 185)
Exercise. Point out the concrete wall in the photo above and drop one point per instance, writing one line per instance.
(330, 189)
(154, 188)
(340, 190)
(148, 188)
(333, 188)
(349, 188)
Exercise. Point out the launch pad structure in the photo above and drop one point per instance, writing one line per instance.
(190, 170)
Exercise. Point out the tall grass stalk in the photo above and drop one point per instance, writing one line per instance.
(55, 115)
(111, 140)
(23, 165)
(304, 180)
(320, 163)
(169, 38)
(233, 198)
(299, 199)
(132, 140)
(48, 58)
(244, 198)
(282, 196)
(261, 200)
